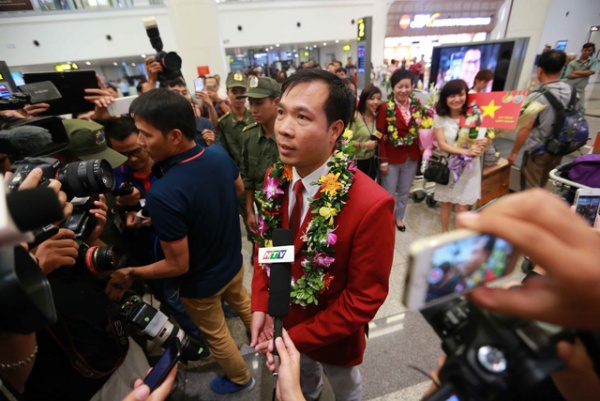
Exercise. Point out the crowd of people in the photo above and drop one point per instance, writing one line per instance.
(298, 151)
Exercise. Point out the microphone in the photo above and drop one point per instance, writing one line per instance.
(279, 290)
(26, 210)
(25, 139)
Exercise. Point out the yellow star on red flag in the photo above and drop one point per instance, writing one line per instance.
(490, 109)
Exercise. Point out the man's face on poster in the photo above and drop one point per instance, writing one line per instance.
(471, 65)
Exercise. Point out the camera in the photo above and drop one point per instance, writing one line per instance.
(491, 356)
(170, 61)
(82, 178)
(126, 189)
(155, 325)
(98, 259)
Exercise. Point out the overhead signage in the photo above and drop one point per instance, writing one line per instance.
(434, 21)
(361, 30)
(66, 67)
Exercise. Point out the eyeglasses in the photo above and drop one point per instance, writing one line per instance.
(133, 153)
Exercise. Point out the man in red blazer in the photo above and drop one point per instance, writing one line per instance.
(313, 112)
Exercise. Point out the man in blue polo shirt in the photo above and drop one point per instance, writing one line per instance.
(193, 207)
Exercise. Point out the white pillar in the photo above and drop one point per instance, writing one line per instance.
(378, 31)
(197, 31)
(527, 19)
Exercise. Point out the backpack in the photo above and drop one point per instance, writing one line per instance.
(570, 129)
(585, 170)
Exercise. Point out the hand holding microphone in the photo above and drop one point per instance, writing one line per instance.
(280, 288)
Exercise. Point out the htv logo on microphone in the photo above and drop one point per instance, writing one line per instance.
(278, 254)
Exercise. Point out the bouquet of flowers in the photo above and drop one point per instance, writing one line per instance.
(426, 136)
(531, 107)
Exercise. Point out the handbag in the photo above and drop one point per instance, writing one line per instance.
(438, 171)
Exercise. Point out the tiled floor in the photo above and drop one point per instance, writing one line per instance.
(398, 340)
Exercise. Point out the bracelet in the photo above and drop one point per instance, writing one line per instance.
(20, 364)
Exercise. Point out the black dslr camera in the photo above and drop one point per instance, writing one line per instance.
(170, 61)
(155, 325)
(82, 178)
(491, 356)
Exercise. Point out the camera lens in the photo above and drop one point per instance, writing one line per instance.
(86, 178)
(106, 258)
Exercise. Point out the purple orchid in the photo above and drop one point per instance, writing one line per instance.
(272, 189)
(331, 238)
(262, 226)
(352, 166)
(321, 259)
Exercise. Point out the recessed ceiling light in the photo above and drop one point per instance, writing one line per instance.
(143, 56)
(337, 41)
(324, 43)
(277, 45)
(88, 63)
(115, 63)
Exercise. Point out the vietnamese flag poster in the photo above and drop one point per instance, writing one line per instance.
(493, 109)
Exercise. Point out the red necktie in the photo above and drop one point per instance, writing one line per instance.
(296, 216)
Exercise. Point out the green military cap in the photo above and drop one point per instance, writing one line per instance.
(261, 87)
(87, 142)
(236, 79)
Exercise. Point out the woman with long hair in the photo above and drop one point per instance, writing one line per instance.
(467, 190)
(365, 131)
(399, 148)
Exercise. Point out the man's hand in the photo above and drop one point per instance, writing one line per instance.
(384, 169)
(58, 250)
(101, 99)
(566, 247)
(100, 214)
(120, 281)
(130, 200)
(512, 157)
(208, 136)
(153, 68)
(32, 110)
(370, 144)
(261, 331)
(577, 381)
(205, 97)
(251, 222)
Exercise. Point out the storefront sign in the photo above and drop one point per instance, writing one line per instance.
(66, 67)
(15, 5)
(434, 21)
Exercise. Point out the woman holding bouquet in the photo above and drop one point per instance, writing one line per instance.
(365, 133)
(399, 149)
(466, 190)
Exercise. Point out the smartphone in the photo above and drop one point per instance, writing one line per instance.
(586, 203)
(120, 105)
(165, 364)
(199, 84)
(445, 265)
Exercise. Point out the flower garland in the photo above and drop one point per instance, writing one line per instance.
(416, 111)
(319, 236)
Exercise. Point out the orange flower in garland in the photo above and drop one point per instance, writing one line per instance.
(287, 173)
(330, 184)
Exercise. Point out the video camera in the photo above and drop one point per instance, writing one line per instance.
(155, 325)
(491, 356)
(170, 61)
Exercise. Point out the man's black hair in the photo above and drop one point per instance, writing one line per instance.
(340, 103)
(165, 110)
(453, 87)
(119, 129)
(175, 82)
(365, 95)
(341, 69)
(552, 61)
(588, 45)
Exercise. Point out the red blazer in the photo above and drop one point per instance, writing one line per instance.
(387, 151)
(333, 331)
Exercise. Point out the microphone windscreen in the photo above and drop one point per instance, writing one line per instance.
(281, 277)
(34, 208)
(29, 138)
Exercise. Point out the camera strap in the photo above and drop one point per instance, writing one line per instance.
(61, 334)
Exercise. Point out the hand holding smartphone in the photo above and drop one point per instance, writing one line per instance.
(163, 367)
(444, 265)
(587, 202)
(199, 84)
